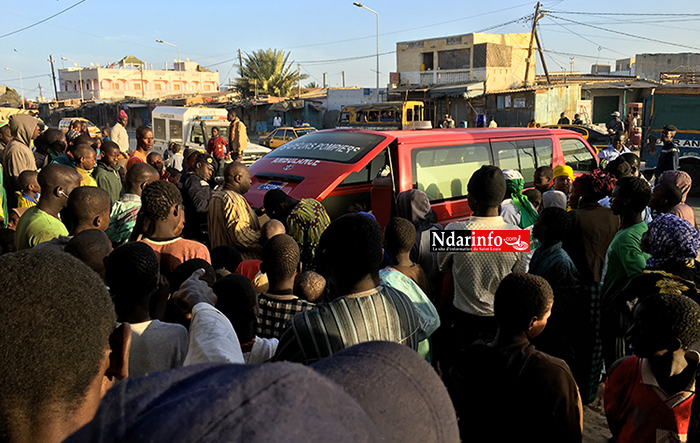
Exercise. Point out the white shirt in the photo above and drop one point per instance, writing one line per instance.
(263, 350)
(212, 338)
(277, 122)
(478, 274)
(120, 137)
(611, 153)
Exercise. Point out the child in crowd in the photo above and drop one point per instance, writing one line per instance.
(280, 261)
(175, 159)
(543, 178)
(161, 207)
(535, 198)
(84, 162)
(648, 396)
(237, 300)
(310, 286)
(91, 247)
(173, 175)
(531, 388)
(30, 193)
(132, 276)
(409, 278)
(225, 259)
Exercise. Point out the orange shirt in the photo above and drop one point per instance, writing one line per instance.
(136, 157)
(172, 253)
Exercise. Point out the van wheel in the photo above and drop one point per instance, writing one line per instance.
(692, 167)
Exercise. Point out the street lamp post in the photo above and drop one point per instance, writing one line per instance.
(80, 76)
(21, 86)
(178, 59)
(360, 5)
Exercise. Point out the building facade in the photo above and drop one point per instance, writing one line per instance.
(131, 78)
(650, 66)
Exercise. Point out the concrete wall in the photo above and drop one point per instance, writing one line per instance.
(340, 97)
(104, 83)
(651, 65)
(552, 101)
(497, 58)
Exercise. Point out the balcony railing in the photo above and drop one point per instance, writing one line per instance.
(443, 76)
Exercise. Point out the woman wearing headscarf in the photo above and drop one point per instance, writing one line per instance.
(516, 209)
(684, 183)
(672, 269)
(414, 205)
(592, 228)
(18, 156)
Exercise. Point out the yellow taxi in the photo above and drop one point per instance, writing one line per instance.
(282, 135)
(64, 126)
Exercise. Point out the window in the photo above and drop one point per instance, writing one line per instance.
(443, 172)
(279, 134)
(137, 86)
(507, 155)
(207, 87)
(368, 173)
(176, 86)
(577, 155)
(159, 129)
(158, 86)
(175, 130)
(117, 85)
(196, 135)
(409, 115)
(543, 150)
(526, 154)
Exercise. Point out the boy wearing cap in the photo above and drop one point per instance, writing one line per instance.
(668, 158)
(196, 194)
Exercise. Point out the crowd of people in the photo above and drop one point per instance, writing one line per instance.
(152, 302)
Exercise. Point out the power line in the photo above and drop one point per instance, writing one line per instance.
(588, 40)
(44, 20)
(649, 14)
(627, 34)
(26, 78)
(337, 60)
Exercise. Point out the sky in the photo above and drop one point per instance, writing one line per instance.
(322, 35)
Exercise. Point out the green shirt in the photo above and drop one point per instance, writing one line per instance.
(108, 179)
(37, 226)
(625, 258)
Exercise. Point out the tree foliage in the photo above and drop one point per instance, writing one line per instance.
(269, 71)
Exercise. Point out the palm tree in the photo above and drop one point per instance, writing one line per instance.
(312, 85)
(267, 72)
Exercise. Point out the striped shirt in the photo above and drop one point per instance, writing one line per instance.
(305, 224)
(382, 313)
(233, 222)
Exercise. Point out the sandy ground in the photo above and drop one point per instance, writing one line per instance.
(595, 426)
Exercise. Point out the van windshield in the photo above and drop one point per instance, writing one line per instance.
(340, 147)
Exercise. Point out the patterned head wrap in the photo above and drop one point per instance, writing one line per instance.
(514, 190)
(672, 239)
(597, 184)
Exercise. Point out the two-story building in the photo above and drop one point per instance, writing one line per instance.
(130, 78)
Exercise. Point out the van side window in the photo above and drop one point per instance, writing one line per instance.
(409, 115)
(443, 172)
(577, 155)
(159, 129)
(196, 136)
(543, 150)
(175, 130)
(526, 153)
(506, 154)
(368, 173)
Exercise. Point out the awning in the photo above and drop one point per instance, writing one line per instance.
(635, 84)
(317, 106)
(467, 90)
(280, 107)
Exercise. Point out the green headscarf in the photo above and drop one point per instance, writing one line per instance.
(514, 191)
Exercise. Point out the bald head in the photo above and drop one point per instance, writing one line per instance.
(91, 247)
(270, 229)
(138, 176)
(57, 182)
(237, 177)
(88, 208)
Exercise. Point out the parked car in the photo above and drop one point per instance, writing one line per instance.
(595, 137)
(346, 168)
(280, 136)
(64, 125)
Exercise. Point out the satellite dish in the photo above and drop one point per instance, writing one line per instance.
(92, 64)
(187, 59)
(98, 65)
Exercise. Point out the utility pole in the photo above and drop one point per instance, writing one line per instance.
(533, 34)
(41, 96)
(53, 74)
(240, 63)
(539, 49)
(324, 80)
(299, 78)
(343, 72)
(571, 61)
